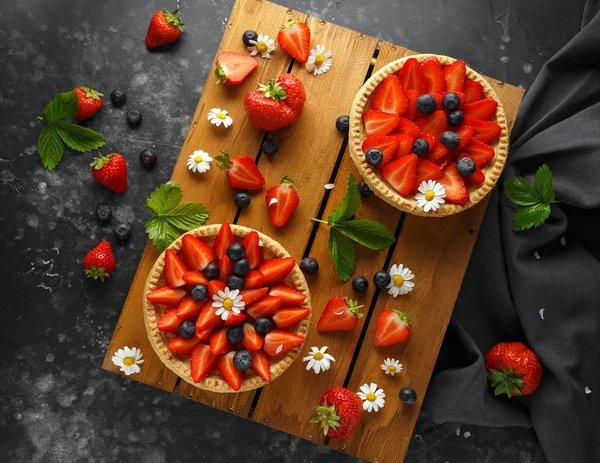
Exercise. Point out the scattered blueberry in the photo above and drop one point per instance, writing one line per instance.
(211, 271)
(360, 284)
(363, 189)
(374, 157)
(408, 395)
(118, 97)
(134, 117)
(235, 334)
(241, 199)
(420, 147)
(342, 123)
(426, 104)
(235, 282)
(241, 267)
(123, 232)
(263, 325)
(103, 213)
(269, 147)
(242, 360)
(466, 166)
(451, 101)
(456, 117)
(382, 279)
(309, 266)
(450, 139)
(187, 329)
(249, 35)
(236, 251)
(199, 292)
(148, 159)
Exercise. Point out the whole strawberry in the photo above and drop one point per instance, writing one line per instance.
(513, 369)
(110, 171)
(273, 106)
(338, 412)
(89, 102)
(99, 263)
(164, 28)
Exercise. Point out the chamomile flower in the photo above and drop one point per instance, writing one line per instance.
(400, 283)
(228, 301)
(218, 116)
(199, 161)
(373, 398)
(263, 45)
(391, 366)
(319, 60)
(128, 360)
(318, 360)
(431, 195)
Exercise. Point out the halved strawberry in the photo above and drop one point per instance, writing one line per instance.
(235, 318)
(242, 172)
(392, 327)
(189, 308)
(251, 295)
(207, 319)
(479, 152)
(389, 97)
(406, 127)
(251, 340)
(287, 318)
(196, 253)
(434, 124)
(454, 183)
(282, 200)
(229, 372)
(194, 277)
(411, 109)
(476, 178)
(405, 145)
(218, 341)
(167, 296)
(254, 279)
(388, 146)
(204, 335)
(261, 365)
(437, 152)
(432, 71)
(290, 297)
(485, 131)
(443, 162)
(473, 91)
(378, 123)
(203, 362)
(430, 140)
(223, 240)
(438, 104)
(232, 68)
(465, 134)
(455, 76)
(275, 270)
(411, 77)
(253, 249)
(426, 170)
(483, 109)
(225, 268)
(266, 306)
(401, 174)
(463, 100)
(169, 321)
(279, 342)
(174, 269)
(214, 286)
(183, 346)
(340, 314)
(294, 38)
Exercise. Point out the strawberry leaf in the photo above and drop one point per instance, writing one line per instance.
(342, 253)
(63, 106)
(372, 235)
(161, 232)
(543, 183)
(349, 204)
(50, 147)
(79, 138)
(187, 216)
(521, 192)
(166, 197)
(530, 216)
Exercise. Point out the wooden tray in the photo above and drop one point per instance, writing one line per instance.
(313, 153)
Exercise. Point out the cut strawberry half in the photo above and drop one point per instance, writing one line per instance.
(214, 286)
(174, 269)
(411, 109)
(169, 321)
(196, 253)
(290, 297)
(437, 152)
(411, 77)
(242, 172)
(235, 318)
(430, 140)
(406, 127)
(275, 270)
(340, 314)
(266, 306)
(378, 123)
(261, 365)
(254, 279)
(294, 39)
(203, 362)
(455, 76)
(438, 105)
(252, 295)
(465, 134)
(287, 318)
(229, 372)
(479, 152)
(253, 249)
(167, 296)
(218, 341)
(392, 327)
(223, 240)
(453, 182)
(279, 342)
(435, 124)
(225, 268)
(204, 335)
(251, 340)
(183, 346)
(426, 170)
(483, 109)
(432, 71)
(473, 91)
(388, 146)
(485, 131)
(232, 68)
(282, 200)
(389, 97)
(401, 174)
(476, 178)
(405, 145)
(195, 277)
(189, 308)
(207, 318)
(443, 162)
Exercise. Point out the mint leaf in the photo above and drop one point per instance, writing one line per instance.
(531, 216)
(342, 253)
(79, 138)
(370, 234)
(166, 197)
(521, 192)
(543, 183)
(63, 106)
(161, 232)
(50, 147)
(187, 216)
(349, 204)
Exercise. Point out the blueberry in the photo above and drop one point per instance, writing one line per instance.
(148, 159)
(451, 101)
(186, 329)
(269, 147)
(466, 166)
(134, 117)
(382, 279)
(309, 266)
(241, 199)
(123, 232)
(242, 360)
(249, 35)
(456, 117)
(211, 271)
(374, 157)
(235, 282)
(360, 284)
(420, 147)
(235, 334)
(241, 267)
(118, 97)
(363, 189)
(342, 123)
(199, 292)
(103, 213)
(236, 251)
(450, 139)
(262, 325)
(408, 395)
(426, 104)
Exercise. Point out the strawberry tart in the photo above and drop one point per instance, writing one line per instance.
(429, 135)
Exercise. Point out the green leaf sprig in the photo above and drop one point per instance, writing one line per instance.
(170, 217)
(344, 229)
(534, 201)
(57, 132)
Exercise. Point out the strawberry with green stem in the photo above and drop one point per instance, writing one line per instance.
(99, 263)
(89, 102)
(164, 27)
(513, 369)
(340, 314)
(282, 200)
(110, 171)
(338, 412)
(242, 172)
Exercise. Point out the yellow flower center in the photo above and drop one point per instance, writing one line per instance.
(261, 47)
(198, 158)
(429, 195)
(319, 60)
(318, 356)
(391, 368)
(398, 280)
(221, 116)
(128, 361)
(370, 396)
(228, 304)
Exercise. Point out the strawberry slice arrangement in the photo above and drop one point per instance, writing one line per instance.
(228, 306)
(429, 122)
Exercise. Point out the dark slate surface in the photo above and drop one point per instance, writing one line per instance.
(58, 405)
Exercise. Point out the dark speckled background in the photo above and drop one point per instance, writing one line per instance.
(57, 404)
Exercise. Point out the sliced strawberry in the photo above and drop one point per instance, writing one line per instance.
(229, 372)
(465, 134)
(242, 172)
(275, 270)
(235, 318)
(253, 249)
(266, 306)
(207, 319)
(203, 362)
(282, 200)
(340, 314)
(405, 144)
(406, 127)
(411, 77)
(476, 178)
(455, 76)
(462, 99)
(254, 279)
(483, 109)
(485, 131)
(167, 296)
(223, 240)
(454, 183)
(225, 268)
(389, 97)
(294, 38)
(388, 146)
(443, 162)
(183, 346)
(218, 341)
(437, 152)
(473, 91)
(290, 297)
(378, 123)
(392, 327)
(434, 124)
(251, 340)
(169, 321)
(261, 365)
(194, 277)
(411, 109)
(214, 286)
(426, 170)
(232, 68)
(287, 318)
(204, 335)
(189, 308)
(479, 152)
(439, 97)
(252, 295)
(432, 71)
(401, 174)
(174, 269)
(279, 342)
(430, 140)
(196, 253)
